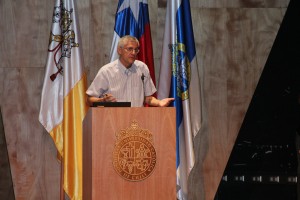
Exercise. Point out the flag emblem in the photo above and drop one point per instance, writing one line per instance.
(181, 69)
(65, 41)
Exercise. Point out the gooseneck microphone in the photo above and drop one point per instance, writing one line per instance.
(143, 77)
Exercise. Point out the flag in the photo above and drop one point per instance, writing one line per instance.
(179, 78)
(63, 104)
(132, 18)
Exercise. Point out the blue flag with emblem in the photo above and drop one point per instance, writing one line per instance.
(179, 78)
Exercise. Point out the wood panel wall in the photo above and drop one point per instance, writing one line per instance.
(233, 39)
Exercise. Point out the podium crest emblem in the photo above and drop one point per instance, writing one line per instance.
(134, 156)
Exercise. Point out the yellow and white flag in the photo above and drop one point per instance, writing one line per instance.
(63, 104)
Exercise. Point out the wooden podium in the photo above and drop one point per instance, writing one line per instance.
(129, 153)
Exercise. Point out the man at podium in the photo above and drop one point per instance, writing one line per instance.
(125, 79)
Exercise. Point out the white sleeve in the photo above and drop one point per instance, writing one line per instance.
(149, 85)
(99, 85)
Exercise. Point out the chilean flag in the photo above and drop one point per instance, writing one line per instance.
(132, 18)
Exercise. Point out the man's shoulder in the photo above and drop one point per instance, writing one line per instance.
(110, 65)
(140, 64)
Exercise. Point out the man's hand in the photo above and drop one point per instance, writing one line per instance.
(152, 101)
(109, 98)
(104, 98)
(165, 102)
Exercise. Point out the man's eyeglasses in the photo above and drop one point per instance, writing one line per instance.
(130, 50)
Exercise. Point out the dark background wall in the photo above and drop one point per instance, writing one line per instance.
(263, 162)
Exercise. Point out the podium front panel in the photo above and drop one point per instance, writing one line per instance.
(101, 128)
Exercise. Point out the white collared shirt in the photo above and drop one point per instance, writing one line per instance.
(124, 84)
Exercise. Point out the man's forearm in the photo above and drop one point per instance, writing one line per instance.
(91, 100)
(152, 101)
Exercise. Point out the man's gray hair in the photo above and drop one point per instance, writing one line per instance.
(127, 38)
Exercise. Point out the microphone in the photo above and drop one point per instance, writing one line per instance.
(143, 77)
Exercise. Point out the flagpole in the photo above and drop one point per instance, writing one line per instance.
(61, 188)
